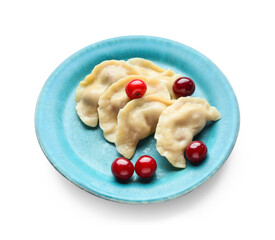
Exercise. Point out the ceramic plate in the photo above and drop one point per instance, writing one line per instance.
(84, 157)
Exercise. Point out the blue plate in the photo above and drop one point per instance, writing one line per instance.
(83, 156)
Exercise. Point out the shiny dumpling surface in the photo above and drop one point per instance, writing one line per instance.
(137, 120)
(115, 98)
(179, 123)
(95, 84)
(148, 68)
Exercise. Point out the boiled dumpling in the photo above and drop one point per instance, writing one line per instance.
(115, 98)
(137, 120)
(179, 123)
(148, 68)
(168, 77)
(145, 67)
(95, 84)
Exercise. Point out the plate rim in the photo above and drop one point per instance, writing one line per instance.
(116, 199)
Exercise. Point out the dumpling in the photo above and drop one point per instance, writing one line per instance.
(168, 77)
(145, 67)
(148, 68)
(179, 123)
(95, 84)
(115, 98)
(137, 120)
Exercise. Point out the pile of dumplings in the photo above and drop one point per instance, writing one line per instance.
(101, 97)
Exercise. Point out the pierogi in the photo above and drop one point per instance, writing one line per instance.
(179, 123)
(137, 120)
(124, 121)
(148, 68)
(95, 84)
(108, 72)
(115, 98)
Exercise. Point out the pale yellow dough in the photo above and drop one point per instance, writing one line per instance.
(148, 68)
(95, 84)
(115, 98)
(179, 123)
(137, 120)
(109, 72)
(125, 122)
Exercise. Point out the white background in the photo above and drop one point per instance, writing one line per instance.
(38, 203)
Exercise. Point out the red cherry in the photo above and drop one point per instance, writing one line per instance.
(196, 151)
(145, 166)
(184, 87)
(136, 88)
(122, 168)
